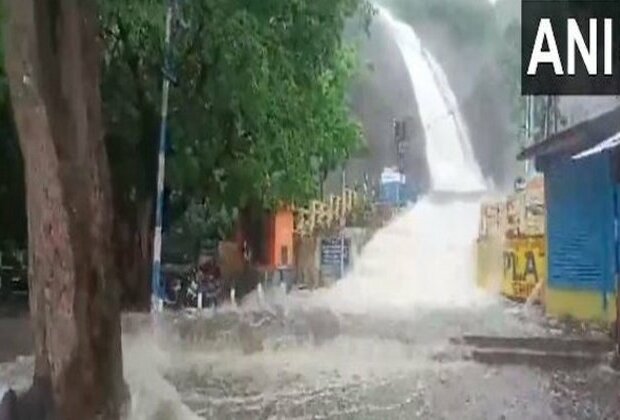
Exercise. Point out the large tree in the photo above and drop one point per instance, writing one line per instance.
(53, 63)
(259, 113)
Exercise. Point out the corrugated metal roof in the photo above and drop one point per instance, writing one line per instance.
(579, 138)
(610, 143)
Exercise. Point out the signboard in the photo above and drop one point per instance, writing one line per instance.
(525, 265)
(389, 176)
(331, 249)
(392, 187)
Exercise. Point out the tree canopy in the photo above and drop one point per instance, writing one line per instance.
(258, 110)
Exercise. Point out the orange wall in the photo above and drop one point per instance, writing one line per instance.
(280, 228)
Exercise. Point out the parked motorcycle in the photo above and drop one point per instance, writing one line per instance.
(181, 287)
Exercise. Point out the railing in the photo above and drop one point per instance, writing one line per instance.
(319, 215)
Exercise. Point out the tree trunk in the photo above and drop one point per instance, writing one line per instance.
(133, 246)
(52, 60)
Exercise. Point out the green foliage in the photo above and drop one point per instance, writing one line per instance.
(259, 112)
(261, 105)
(132, 60)
(199, 221)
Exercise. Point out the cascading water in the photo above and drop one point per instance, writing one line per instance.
(448, 147)
(425, 258)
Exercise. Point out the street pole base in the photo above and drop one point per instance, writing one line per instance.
(157, 304)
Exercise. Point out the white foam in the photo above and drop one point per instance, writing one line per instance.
(152, 396)
(423, 260)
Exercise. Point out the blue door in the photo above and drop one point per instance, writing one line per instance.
(581, 223)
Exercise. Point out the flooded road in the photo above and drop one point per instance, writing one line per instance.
(383, 343)
(312, 363)
(377, 345)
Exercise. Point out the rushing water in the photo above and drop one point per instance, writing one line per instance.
(448, 147)
(423, 259)
(366, 348)
(426, 257)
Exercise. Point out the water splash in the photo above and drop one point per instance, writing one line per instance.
(146, 364)
(423, 260)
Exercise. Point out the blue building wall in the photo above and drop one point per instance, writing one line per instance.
(581, 211)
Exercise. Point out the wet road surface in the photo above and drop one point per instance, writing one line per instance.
(313, 363)
(302, 361)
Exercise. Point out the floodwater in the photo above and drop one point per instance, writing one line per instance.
(374, 346)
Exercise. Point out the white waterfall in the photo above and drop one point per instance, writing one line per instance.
(425, 258)
(448, 147)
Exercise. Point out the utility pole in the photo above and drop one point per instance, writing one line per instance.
(342, 220)
(156, 288)
(556, 114)
(548, 102)
(527, 133)
(530, 130)
(532, 117)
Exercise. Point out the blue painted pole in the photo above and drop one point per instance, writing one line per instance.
(157, 290)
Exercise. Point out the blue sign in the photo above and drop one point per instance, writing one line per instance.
(393, 187)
